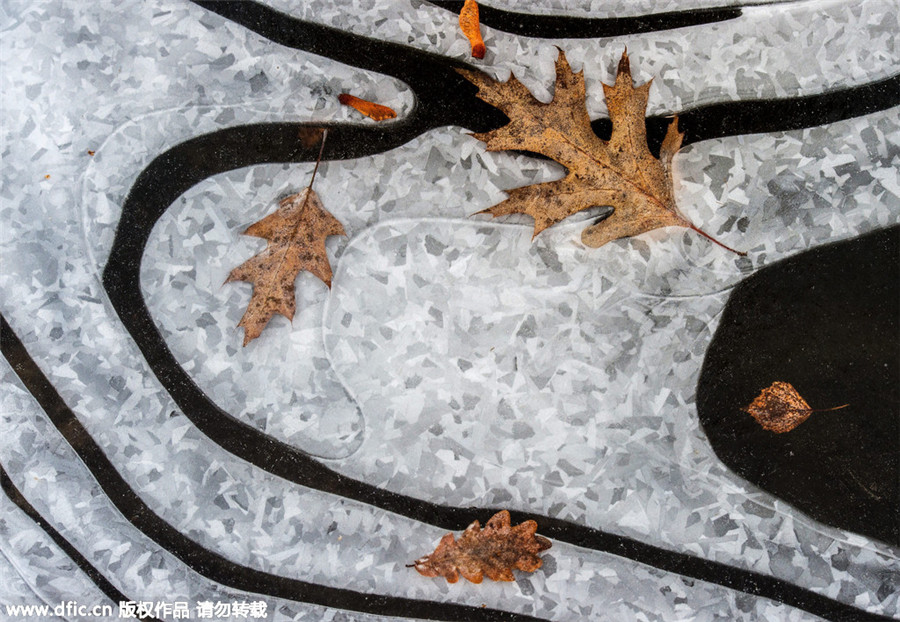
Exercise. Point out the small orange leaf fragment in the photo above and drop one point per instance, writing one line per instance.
(494, 551)
(471, 27)
(370, 109)
(779, 408)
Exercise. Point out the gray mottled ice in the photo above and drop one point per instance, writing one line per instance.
(542, 376)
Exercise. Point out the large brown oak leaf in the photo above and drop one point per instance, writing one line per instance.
(620, 172)
(493, 551)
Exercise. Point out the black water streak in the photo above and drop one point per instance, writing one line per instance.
(208, 563)
(16, 496)
(784, 115)
(442, 99)
(745, 117)
(570, 27)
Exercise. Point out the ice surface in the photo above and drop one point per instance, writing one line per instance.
(454, 360)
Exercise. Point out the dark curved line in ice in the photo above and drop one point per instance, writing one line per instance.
(102, 583)
(202, 560)
(572, 27)
(444, 98)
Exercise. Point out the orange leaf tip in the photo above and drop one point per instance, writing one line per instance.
(471, 27)
(370, 109)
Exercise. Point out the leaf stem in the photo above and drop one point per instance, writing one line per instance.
(318, 159)
(825, 410)
(711, 238)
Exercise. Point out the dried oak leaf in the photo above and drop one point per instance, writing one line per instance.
(471, 27)
(779, 408)
(296, 233)
(494, 551)
(620, 172)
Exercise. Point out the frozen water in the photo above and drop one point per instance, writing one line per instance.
(454, 360)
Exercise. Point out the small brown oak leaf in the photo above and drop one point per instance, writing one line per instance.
(780, 408)
(493, 551)
(620, 172)
(296, 234)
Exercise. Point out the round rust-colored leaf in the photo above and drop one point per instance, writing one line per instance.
(779, 408)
